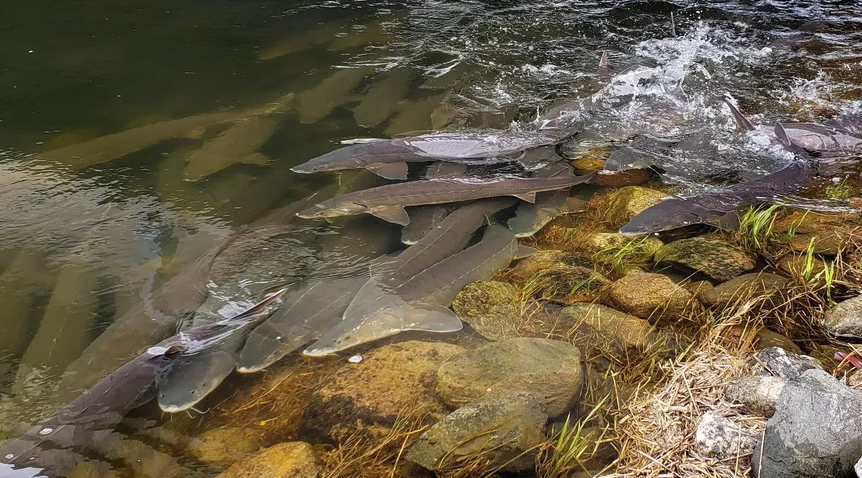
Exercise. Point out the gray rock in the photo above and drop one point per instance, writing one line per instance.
(500, 429)
(717, 259)
(721, 437)
(743, 288)
(845, 319)
(758, 395)
(781, 363)
(816, 430)
(858, 468)
(549, 369)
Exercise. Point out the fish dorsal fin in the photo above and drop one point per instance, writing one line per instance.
(741, 121)
(431, 318)
(604, 63)
(395, 171)
(394, 214)
(524, 251)
(529, 197)
(261, 306)
(781, 134)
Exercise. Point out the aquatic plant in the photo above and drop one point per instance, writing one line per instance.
(755, 226)
(564, 453)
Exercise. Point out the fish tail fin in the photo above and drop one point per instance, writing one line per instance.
(741, 121)
(262, 305)
(781, 134)
(672, 26)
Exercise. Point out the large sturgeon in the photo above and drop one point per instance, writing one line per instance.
(44, 448)
(389, 157)
(318, 306)
(388, 202)
(716, 208)
(420, 302)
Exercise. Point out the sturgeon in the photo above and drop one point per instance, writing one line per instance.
(389, 158)
(388, 202)
(99, 409)
(422, 220)
(716, 208)
(419, 302)
(108, 148)
(811, 137)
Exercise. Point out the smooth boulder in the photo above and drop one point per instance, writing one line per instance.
(650, 296)
(778, 362)
(627, 202)
(489, 307)
(285, 460)
(721, 437)
(816, 430)
(743, 288)
(757, 395)
(845, 319)
(595, 325)
(551, 370)
(717, 259)
(500, 430)
(367, 397)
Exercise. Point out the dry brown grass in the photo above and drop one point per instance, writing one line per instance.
(276, 402)
(361, 457)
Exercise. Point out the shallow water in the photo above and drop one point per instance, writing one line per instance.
(79, 245)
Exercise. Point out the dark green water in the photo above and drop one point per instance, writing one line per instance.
(82, 242)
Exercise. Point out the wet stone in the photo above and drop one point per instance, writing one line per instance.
(721, 437)
(831, 233)
(625, 203)
(758, 395)
(649, 296)
(778, 362)
(284, 460)
(795, 265)
(744, 287)
(638, 250)
(565, 284)
(816, 430)
(845, 319)
(502, 430)
(551, 370)
(369, 396)
(527, 268)
(596, 325)
(767, 338)
(717, 259)
(489, 307)
(224, 446)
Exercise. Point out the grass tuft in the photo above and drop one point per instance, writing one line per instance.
(564, 454)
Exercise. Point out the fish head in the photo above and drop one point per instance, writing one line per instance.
(381, 323)
(341, 158)
(162, 357)
(656, 219)
(192, 378)
(320, 211)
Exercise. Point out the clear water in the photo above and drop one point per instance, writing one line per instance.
(80, 244)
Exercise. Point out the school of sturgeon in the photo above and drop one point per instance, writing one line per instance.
(480, 191)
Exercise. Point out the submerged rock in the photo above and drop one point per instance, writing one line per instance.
(635, 250)
(721, 437)
(626, 203)
(595, 325)
(744, 287)
(650, 296)
(830, 233)
(758, 395)
(717, 259)
(567, 284)
(781, 363)
(551, 370)
(795, 265)
(285, 460)
(224, 446)
(542, 260)
(500, 430)
(816, 430)
(845, 319)
(368, 396)
(489, 307)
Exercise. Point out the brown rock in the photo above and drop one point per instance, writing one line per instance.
(831, 233)
(285, 460)
(489, 307)
(744, 287)
(717, 259)
(224, 446)
(795, 265)
(566, 284)
(595, 325)
(369, 396)
(528, 267)
(629, 177)
(551, 370)
(625, 203)
(649, 296)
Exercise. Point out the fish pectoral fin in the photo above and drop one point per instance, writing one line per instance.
(389, 170)
(394, 214)
(256, 158)
(431, 318)
(524, 251)
(529, 197)
(728, 222)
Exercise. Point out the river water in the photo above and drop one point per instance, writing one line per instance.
(81, 238)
